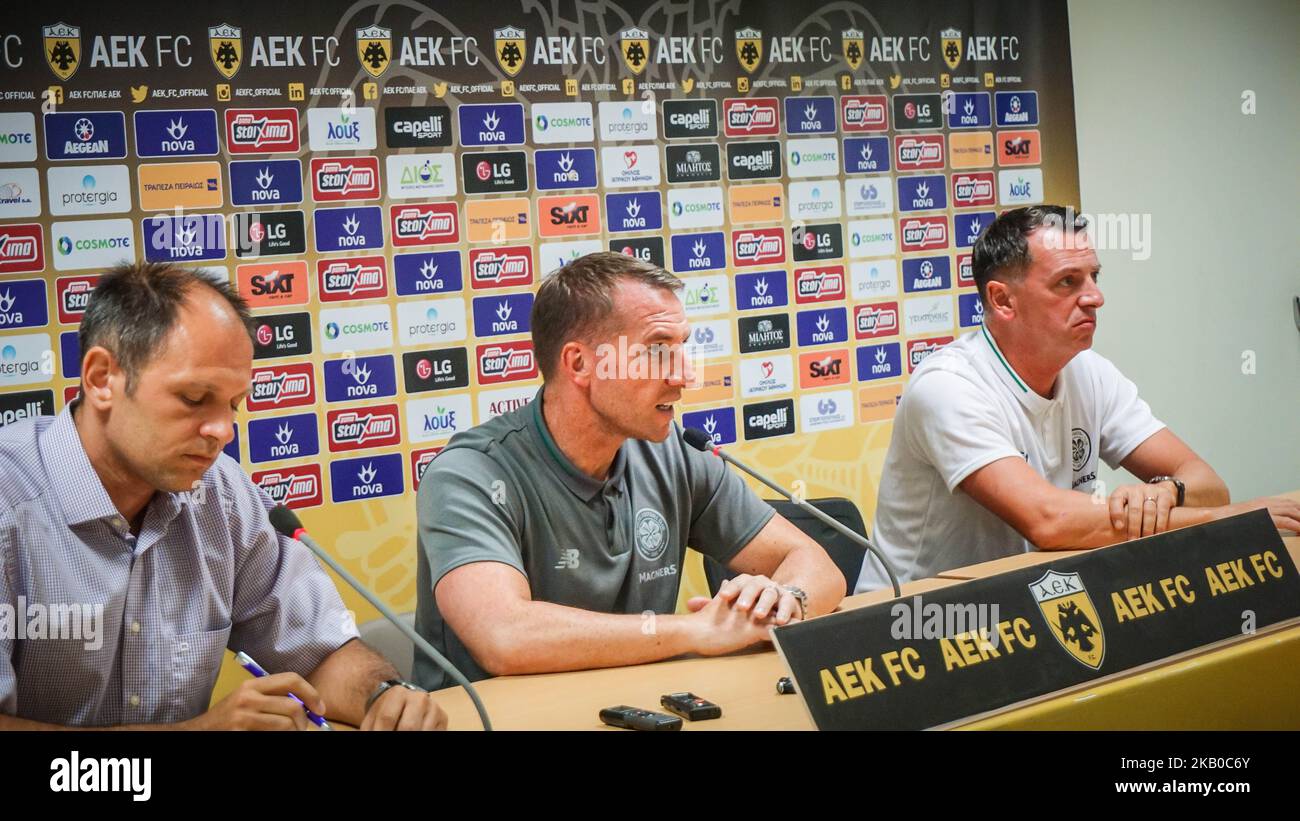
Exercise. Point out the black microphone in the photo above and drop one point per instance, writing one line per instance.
(287, 524)
(700, 440)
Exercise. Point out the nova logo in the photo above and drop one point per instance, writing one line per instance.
(353, 378)
(265, 182)
(634, 212)
(345, 229)
(294, 487)
(352, 278)
(822, 327)
(879, 362)
(926, 274)
(919, 153)
(367, 477)
(698, 252)
(863, 113)
(506, 362)
(970, 310)
(426, 224)
(972, 189)
(283, 437)
(189, 238)
(765, 290)
(176, 133)
(819, 284)
(866, 155)
(262, 131)
(810, 115)
(427, 273)
(501, 267)
(873, 321)
(491, 124)
(718, 423)
(922, 193)
(969, 110)
(354, 429)
(758, 246)
(751, 117)
(921, 233)
(23, 305)
(502, 315)
(350, 179)
(283, 386)
(919, 349)
(567, 168)
(22, 248)
(968, 227)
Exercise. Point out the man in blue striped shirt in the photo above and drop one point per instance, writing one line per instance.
(133, 552)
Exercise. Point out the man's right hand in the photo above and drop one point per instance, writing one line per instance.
(720, 628)
(263, 704)
(1285, 512)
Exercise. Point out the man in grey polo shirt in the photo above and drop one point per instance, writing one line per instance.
(552, 537)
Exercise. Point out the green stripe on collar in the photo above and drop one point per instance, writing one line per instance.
(984, 330)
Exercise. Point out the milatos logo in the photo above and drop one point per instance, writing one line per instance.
(810, 115)
(22, 248)
(190, 132)
(822, 284)
(359, 428)
(718, 423)
(751, 117)
(564, 216)
(764, 333)
(866, 155)
(970, 110)
(505, 362)
(294, 487)
(491, 124)
(638, 211)
(262, 130)
(923, 233)
(501, 267)
(22, 304)
(282, 437)
(967, 228)
(879, 362)
(919, 349)
(73, 297)
(282, 386)
(85, 135)
(367, 477)
(265, 182)
(506, 314)
(350, 229)
(864, 113)
(822, 327)
(972, 188)
(926, 274)
(918, 153)
(341, 129)
(352, 278)
(875, 321)
(698, 252)
(761, 290)
(1017, 108)
(757, 246)
(432, 272)
(559, 169)
(363, 377)
(351, 178)
(924, 193)
(433, 223)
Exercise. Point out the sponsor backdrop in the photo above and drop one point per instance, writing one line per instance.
(388, 184)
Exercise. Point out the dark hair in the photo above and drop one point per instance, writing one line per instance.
(134, 306)
(1002, 250)
(576, 300)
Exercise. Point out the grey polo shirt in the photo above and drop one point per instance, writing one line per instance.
(503, 492)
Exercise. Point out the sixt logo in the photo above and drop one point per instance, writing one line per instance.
(426, 224)
(432, 272)
(262, 130)
(749, 117)
(351, 179)
(819, 284)
(864, 113)
(972, 189)
(352, 278)
(757, 247)
(921, 233)
(506, 362)
(872, 321)
(501, 267)
(282, 386)
(351, 429)
(293, 487)
(365, 377)
(866, 155)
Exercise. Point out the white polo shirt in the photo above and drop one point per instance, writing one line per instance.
(965, 408)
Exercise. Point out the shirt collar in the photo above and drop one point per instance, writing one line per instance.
(76, 485)
(1033, 403)
(578, 483)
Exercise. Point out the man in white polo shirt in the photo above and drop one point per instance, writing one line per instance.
(998, 435)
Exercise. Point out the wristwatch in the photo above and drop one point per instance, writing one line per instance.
(800, 596)
(1182, 489)
(385, 686)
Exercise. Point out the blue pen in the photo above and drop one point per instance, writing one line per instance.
(246, 661)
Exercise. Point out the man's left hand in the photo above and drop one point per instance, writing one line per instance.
(402, 709)
(762, 598)
(1142, 510)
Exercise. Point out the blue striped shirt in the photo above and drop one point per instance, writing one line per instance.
(206, 572)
